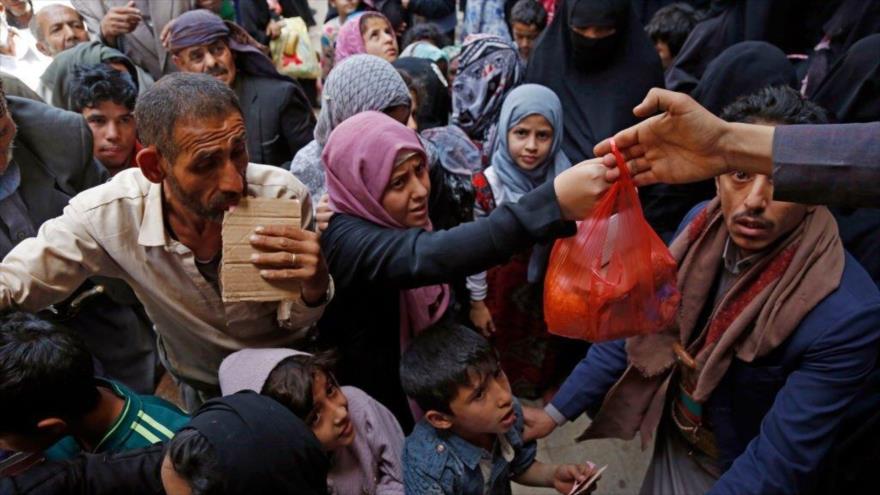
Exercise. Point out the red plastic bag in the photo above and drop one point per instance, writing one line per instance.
(615, 278)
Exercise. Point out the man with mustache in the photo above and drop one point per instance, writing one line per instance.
(277, 114)
(58, 27)
(775, 340)
(158, 229)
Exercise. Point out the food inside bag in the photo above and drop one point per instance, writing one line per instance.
(615, 278)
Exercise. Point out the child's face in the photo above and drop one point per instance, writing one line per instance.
(331, 423)
(345, 7)
(529, 141)
(379, 39)
(525, 35)
(665, 55)
(485, 406)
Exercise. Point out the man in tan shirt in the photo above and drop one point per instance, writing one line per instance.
(158, 228)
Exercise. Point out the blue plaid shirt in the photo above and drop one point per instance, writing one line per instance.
(438, 462)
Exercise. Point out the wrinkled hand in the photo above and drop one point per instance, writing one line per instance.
(292, 254)
(323, 213)
(538, 424)
(567, 474)
(482, 318)
(580, 187)
(119, 21)
(684, 143)
(273, 29)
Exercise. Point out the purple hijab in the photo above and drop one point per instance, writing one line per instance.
(359, 158)
(202, 27)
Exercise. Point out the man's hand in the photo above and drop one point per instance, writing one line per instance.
(293, 254)
(273, 29)
(580, 187)
(482, 318)
(538, 424)
(119, 21)
(684, 143)
(567, 474)
(323, 214)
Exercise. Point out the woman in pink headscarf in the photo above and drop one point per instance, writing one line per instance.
(390, 268)
(370, 33)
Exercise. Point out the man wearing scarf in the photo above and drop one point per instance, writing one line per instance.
(277, 114)
(777, 333)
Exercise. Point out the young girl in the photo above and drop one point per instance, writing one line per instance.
(390, 268)
(346, 10)
(363, 439)
(527, 153)
(371, 33)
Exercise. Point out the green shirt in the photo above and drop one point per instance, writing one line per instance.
(145, 420)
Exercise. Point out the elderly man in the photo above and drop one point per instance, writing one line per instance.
(277, 114)
(58, 27)
(158, 228)
(777, 332)
(45, 159)
(135, 27)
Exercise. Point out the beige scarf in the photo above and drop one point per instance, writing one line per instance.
(761, 309)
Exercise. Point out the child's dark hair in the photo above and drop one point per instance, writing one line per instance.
(530, 13)
(370, 14)
(672, 24)
(425, 31)
(195, 460)
(290, 382)
(440, 360)
(45, 371)
(778, 104)
(93, 84)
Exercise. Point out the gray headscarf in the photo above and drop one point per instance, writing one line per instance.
(358, 84)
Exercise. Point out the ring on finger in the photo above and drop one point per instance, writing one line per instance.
(293, 259)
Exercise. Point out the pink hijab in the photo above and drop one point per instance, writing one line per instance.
(358, 159)
(350, 41)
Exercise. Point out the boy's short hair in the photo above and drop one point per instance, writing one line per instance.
(672, 24)
(530, 13)
(195, 460)
(440, 360)
(780, 104)
(425, 31)
(45, 372)
(290, 382)
(94, 84)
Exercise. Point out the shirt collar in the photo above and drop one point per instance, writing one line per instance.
(733, 263)
(152, 231)
(116, 435)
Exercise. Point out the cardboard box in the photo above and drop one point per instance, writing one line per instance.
(240, 279)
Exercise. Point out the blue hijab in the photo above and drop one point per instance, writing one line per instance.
(523, 101)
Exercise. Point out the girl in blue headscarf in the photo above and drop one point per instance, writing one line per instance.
(526, 153)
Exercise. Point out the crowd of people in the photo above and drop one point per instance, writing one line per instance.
(437, 150)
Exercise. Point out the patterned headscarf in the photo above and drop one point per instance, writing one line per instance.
(358, 84)
(423, 49)
(488, 69)
(485, 17)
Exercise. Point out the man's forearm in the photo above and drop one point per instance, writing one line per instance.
(538, 474)
(749, 148)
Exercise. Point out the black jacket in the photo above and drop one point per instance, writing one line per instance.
(370, 264)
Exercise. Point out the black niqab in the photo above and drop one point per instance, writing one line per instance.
(261, 447)
(851, 91)
(741, 70)
(435, 104)
(598, 90)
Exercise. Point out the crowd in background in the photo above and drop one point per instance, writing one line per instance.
(437, 149)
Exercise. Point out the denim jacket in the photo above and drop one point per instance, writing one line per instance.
(437, 462)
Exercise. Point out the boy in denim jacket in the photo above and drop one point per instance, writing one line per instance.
(470, 439)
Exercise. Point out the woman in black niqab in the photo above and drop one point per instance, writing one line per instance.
(598, 80)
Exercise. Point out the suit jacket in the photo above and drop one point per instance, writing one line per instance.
(278, 118)
(142, 45)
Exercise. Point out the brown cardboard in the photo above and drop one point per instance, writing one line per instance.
(240, 280)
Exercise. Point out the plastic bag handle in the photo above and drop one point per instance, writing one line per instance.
(621, 163)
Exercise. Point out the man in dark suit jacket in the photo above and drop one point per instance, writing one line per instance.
(277, 114)
(46, 160)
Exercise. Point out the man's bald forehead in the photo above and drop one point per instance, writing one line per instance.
(53, 13)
